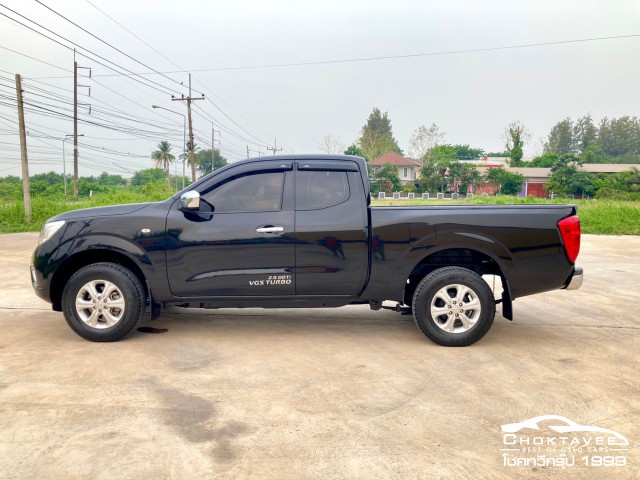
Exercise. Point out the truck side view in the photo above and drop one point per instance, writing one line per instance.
(299, 231)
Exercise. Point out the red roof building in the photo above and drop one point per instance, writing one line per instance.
(408, 169)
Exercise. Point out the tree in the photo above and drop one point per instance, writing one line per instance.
(585, 134)
(561, 140)
(149, 175)
(424, 139)
(376, 137)
(386, 179)
(331, 144)
(354, 149)
(185, 157)
(514, 137)
(162, 157)
(442, 157)
(620, 136)
(546, 160)
(108, 180)
(204, 162)
(509, 183)
(465, 152)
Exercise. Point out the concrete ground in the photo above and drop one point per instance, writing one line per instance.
(323, 394)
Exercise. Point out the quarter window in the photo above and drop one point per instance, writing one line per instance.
(320, 189)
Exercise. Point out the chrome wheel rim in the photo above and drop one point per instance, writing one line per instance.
(455, 308)
(100, 304)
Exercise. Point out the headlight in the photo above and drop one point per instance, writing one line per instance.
(49, 229)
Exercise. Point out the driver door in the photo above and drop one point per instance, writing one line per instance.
(241, 242)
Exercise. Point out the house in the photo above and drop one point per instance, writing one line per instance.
(408, 169)
(537, 178)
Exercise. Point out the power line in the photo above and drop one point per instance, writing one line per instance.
(394, 57)
(109, 44)
(132, 74)
(175, 64)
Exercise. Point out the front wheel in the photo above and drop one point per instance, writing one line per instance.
(454, 306)
(103, 302)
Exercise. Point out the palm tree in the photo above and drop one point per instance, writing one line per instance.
(162, 156)
(185, 158)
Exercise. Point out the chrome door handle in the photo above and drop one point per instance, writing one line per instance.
(269, 229)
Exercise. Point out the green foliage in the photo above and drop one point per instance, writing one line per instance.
(515, 136)
(497, 154)
(465, 152)
(561, 139)
(376, 137)
(204, 163)
(509, 183)
(385, 179)
(620, 136)
(567, 180)
(354, 149)
(149, 175)
(162, 156)
(10, 188)
(546, 160)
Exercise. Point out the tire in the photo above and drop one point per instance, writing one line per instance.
(437, 311)
(103, 319)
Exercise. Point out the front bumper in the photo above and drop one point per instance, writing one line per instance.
(574, 281)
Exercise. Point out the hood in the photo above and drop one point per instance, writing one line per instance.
(100, 212)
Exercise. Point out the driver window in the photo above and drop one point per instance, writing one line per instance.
(253, 192)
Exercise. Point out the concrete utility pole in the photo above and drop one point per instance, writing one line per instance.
(189, 99)
(75, 127)
(213, 142)
(274, 149)
(75, 122)
(26, 193)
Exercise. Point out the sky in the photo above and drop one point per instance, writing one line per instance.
(232, 49)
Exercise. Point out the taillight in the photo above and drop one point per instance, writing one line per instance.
(570, 233)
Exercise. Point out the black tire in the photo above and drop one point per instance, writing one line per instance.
(456, 326)
(107, 319)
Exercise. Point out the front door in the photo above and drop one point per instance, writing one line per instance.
(242, 241)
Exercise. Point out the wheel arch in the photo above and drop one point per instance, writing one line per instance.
(87, 257)
(473, 258)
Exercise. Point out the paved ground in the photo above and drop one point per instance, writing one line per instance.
(343, 393)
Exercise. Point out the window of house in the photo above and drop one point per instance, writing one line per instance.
(404, 175)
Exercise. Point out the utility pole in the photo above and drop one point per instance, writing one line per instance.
(75, 122)
(75, 126)
(189, 99)
(26, 194)
(213, 162)
(274, 149)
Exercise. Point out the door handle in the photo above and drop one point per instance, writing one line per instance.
(269, 229)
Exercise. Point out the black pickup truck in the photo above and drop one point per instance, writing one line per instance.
(299, 231)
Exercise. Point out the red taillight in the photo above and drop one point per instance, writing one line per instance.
(570, 233)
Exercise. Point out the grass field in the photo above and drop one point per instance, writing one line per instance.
(604, 217)
(601, 217)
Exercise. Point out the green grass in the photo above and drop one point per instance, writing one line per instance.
(600, 217)
(12, 213)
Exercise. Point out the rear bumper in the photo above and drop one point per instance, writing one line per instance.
(574, 281)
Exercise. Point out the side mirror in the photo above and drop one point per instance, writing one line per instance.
(189, 201)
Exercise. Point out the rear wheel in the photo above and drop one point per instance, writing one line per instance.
(454, 306)
(103, 302)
